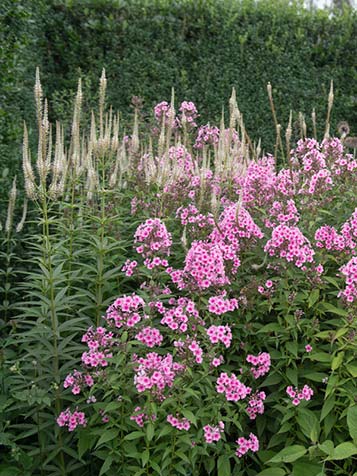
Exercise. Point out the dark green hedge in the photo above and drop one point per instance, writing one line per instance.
(202, 48)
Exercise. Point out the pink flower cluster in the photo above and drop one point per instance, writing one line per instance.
(196, 350)
(77, 380)
(178, 317)
(260, 362)
(258, 185)
(298, 395)
(204, 267)
(220, 334)
(180, 156)
(316, 176)
(233, 389)
(349, 230)
(244, 445)
(207, 135)
(282, 213)
(150, 336)
(180, 423)
(99, 342)
(191, 215)
(164, 113)
(155, 373)
(140, 417)
(213, 433)
(289, 243)
(236, 230)
(328, 238)
(219, 305)
(256, 405)
(189, 110)
(129, 267)
(71, 420)
(349, 270)
(125, 311)
(153, 238)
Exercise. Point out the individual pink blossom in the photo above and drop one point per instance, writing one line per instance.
(217, 361)
(308, 348)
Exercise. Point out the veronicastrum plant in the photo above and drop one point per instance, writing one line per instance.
(191, 304)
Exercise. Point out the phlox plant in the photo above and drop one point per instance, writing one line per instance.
(191, 372)
(189, 305)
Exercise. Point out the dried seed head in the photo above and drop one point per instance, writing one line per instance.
(29, 176)
(38, 97)
(270, 93)
(21, 223)
(11, 207)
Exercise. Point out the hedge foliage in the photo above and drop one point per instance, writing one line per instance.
(201, 47)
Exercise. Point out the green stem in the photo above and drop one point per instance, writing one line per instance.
(47, 257)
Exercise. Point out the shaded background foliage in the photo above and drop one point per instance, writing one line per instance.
(201, 47)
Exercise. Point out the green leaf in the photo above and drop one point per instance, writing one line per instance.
(145, 457)
(223, 466)
(85, 442)
(150, 430)
(292, 376)
(337, 361)
(292, 347)
(343, 451)
(155, 467)
(335, 310)
(308, 423)
(321, 357)
(327, 407)
(106, 465)
(134, 435)
(108, 435)
(352, 369)
(189, 415)
(352, 421)
(327, 447)
(314, 296)
(272, 472)
(288, 455)
(306, 469)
